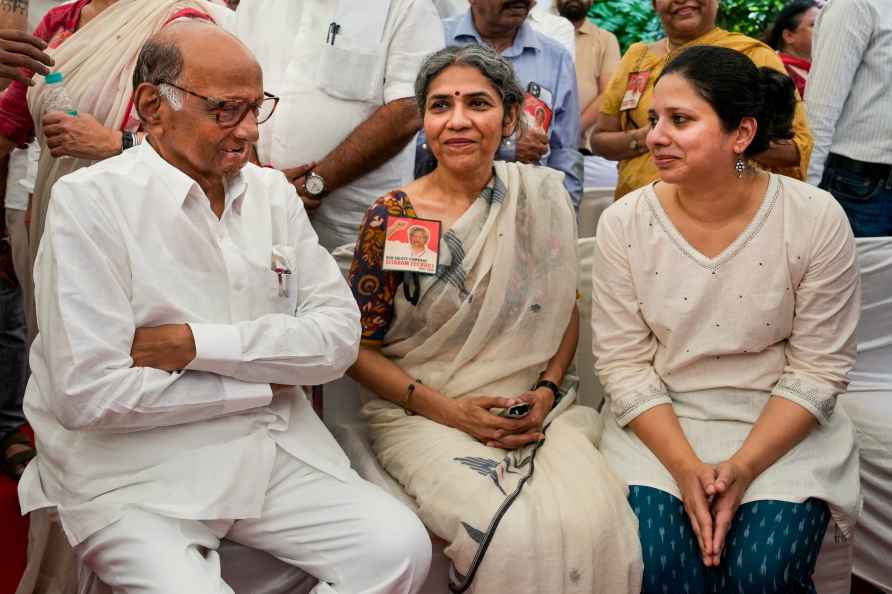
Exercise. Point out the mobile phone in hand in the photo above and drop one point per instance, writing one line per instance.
(518, 411)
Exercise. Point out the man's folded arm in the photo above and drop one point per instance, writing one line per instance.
(87, 329)
(313, 346)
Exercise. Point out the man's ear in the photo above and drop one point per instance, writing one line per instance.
(147, 102)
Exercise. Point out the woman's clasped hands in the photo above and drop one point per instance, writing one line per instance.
(474, 416)
(711, 495)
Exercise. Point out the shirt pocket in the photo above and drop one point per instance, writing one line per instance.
(282, 280)
(351, 71)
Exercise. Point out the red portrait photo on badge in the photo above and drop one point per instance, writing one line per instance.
(412, 245)
(635, 88)
(535, 107)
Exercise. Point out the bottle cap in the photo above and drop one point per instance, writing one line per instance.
(54, 77)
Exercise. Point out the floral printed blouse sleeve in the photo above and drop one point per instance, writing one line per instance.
(821, 349)
(623, 345)
(373, 287)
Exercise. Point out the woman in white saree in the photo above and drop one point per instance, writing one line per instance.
(527, 504)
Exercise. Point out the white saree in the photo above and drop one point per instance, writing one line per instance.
(488, 323)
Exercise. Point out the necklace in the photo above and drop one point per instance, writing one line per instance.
(669, 47)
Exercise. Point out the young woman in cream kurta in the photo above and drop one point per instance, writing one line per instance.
(724, 310)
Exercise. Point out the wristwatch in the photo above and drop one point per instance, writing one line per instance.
(315, 184)
(128, 140)
(544, 383)
(634, 144)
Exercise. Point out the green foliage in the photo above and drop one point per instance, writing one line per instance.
(629, 20)
(635, 20)
(750, 17)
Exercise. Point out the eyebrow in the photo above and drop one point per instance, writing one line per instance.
(472, 95)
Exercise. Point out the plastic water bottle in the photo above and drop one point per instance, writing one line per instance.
(57, 98)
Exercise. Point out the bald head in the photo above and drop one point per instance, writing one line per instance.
(190, 46)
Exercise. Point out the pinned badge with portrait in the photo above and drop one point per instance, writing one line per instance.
(412, 245)
(537, 106)
(634, 89)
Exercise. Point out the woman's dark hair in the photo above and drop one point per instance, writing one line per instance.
(736, 89)
(787, 19)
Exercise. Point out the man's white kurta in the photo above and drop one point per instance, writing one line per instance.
(330, 84)
(132, 242)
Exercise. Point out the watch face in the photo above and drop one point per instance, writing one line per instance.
(315, 184)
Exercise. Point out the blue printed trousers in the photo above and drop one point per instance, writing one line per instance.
(771, 547)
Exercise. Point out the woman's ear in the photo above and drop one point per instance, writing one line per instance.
(787, 37)
(509, 123)
(746, 132)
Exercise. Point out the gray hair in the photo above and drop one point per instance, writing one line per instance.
(490, 64)
(160, 61)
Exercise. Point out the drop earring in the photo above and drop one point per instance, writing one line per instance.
(740, 167)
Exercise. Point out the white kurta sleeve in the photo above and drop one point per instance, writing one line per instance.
(418, 33)
(83, 292)
(314, 345)
(821, 349)
(623, 344)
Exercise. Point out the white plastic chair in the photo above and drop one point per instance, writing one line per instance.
(593, 203)
(868, 403)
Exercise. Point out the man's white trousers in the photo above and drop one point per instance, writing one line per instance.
(351, 536)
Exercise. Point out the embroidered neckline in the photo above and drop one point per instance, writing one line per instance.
(772, 193)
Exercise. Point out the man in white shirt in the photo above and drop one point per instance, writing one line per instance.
(183, 299)
(849, 106)
(346, 72)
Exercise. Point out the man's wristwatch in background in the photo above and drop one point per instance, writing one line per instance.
(314, 184)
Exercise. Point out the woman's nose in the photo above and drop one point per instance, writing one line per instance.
(656, 136)
(458, 118)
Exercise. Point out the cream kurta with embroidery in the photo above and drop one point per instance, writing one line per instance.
(773, 314)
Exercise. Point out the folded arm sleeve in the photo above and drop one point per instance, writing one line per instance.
(87, 328)
(821, 349)
(314, 345)
(623, 346)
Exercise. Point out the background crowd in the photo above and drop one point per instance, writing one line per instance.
(350, 85)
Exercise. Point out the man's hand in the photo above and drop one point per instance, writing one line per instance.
(80, 136)
(297, 176)
(169, 348)
(532, 146)
(20, 50)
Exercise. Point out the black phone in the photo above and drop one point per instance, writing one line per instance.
(518, 411)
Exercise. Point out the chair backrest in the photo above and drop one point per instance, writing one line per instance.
(593, 203)
(591, 393)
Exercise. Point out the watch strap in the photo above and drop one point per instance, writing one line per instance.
(128, 140)
(544, 383)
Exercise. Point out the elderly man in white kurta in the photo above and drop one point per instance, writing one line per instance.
(345, 71)
(183, 298)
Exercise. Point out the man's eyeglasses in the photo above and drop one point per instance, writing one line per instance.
(229, 112)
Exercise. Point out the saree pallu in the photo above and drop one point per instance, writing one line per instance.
(98, 62)
(488, 323)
